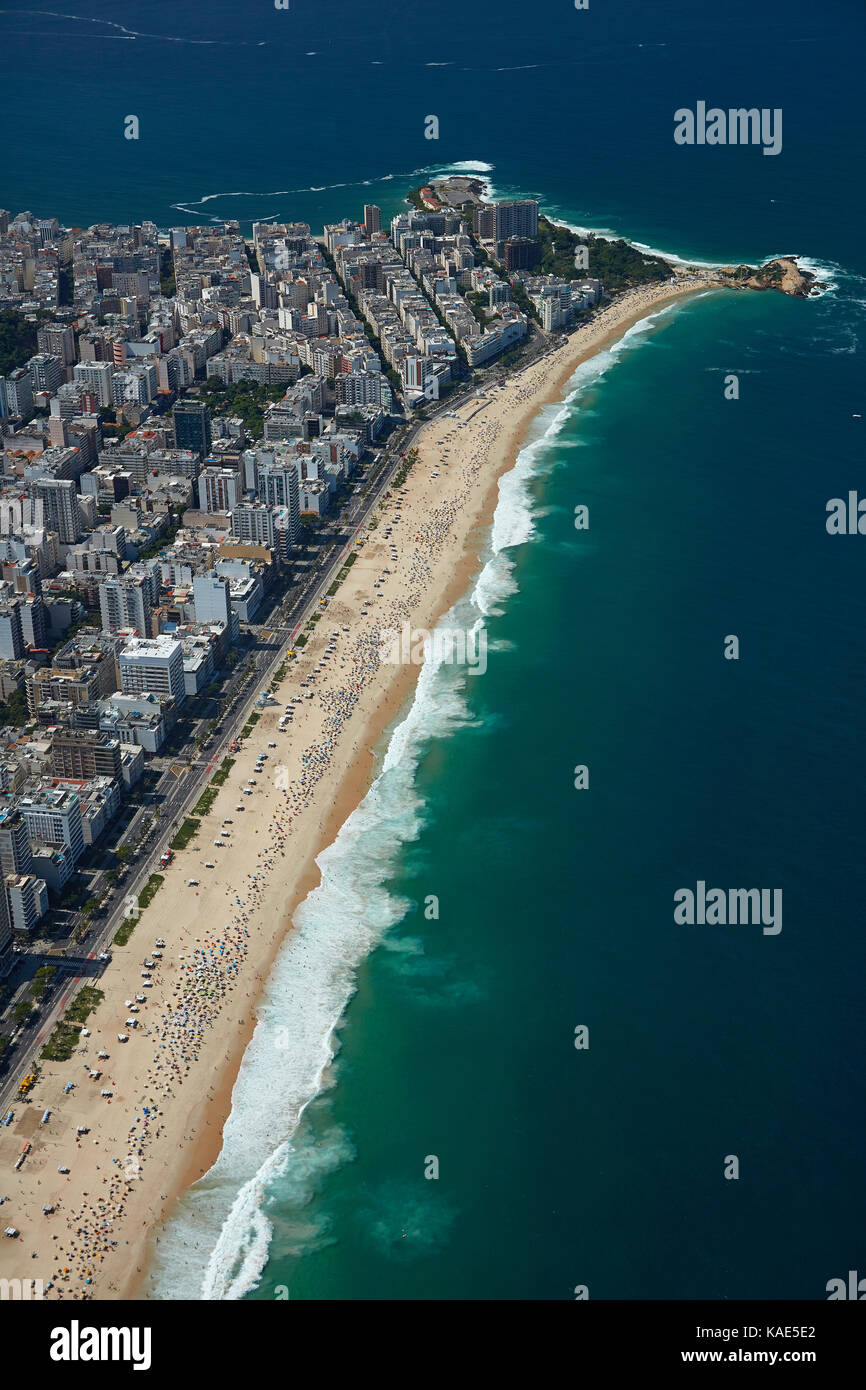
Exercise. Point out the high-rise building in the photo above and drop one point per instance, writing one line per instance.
(58, 340)
(152, 664)
(498, 222)
(125, 602)
(219, 489)
(212, 598)
(518, 218)
(277, 485)
(372, 218)
(34, 622)
(26, 576)
(48, 229)
(192, 428)
(80, 679)
(264, 293)
(60, 503)
(253, 524)
(15, 853)
(363, 388)
(46, 371)
(137, 385)
(27, 900)
(521, 253)
(6, 957)
(19, 392)
(53, 816)
(11, 635)
(484, 222)
(79, 754)
(96, 376)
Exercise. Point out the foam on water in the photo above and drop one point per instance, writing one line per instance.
(516, 509)
(462, 166)
(216, 1246)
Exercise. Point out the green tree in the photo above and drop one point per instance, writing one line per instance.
(17, 340)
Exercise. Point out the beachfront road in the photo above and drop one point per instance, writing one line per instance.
(181, 783)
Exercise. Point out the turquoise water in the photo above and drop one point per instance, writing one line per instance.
(454, 1035)
(604, 1166)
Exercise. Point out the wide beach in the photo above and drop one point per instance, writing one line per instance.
(160, 1128)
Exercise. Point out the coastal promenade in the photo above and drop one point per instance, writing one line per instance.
(159, 1129)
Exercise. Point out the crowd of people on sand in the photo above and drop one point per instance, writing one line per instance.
(210, 970)
(205, 977)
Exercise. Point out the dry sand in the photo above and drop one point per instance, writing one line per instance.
(198, 1014)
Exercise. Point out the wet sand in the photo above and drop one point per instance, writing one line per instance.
(198, 1012)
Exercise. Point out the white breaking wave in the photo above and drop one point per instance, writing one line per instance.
(827, 272)
(824, 272)
(216, 1246)
(638, 245)
(516, 511)
(130, 34)
(466, 166)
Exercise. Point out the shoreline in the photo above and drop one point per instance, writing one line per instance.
(495, 427)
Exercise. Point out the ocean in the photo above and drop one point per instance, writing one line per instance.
(478, 909)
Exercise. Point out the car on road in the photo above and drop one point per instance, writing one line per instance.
(209, 864)
(192, 883)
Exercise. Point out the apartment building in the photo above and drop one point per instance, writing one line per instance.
(53, 816)
(153, 664)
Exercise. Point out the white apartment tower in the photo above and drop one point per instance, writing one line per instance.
(54, 816)
(124, 602)
(152, 664)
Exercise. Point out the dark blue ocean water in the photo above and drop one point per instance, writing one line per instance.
(574, 106)
(560, 1167)
(605, 1167)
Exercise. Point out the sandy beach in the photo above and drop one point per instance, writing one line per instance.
(288, 793)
